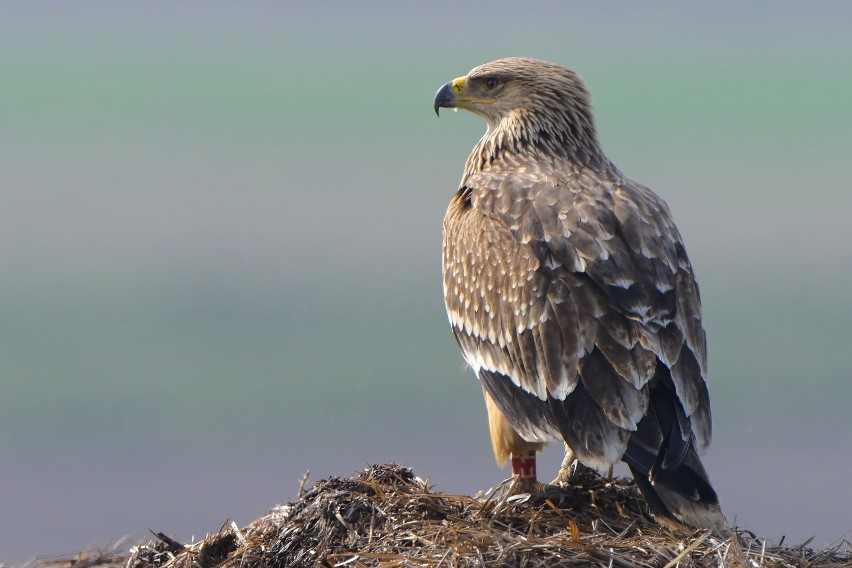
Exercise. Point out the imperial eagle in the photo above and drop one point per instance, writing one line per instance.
(571, 295)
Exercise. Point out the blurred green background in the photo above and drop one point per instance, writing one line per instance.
(220, 232)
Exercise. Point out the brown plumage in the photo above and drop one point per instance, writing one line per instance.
(570, 293)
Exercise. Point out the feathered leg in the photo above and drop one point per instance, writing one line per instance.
(508, 444)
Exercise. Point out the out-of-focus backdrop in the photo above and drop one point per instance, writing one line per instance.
(219, 247)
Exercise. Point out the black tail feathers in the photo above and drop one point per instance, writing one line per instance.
(662, 458)
(683, 496)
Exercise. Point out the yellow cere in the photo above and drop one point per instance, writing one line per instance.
(458, 84)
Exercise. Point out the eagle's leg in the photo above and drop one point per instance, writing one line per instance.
(524, 471)
(508, 444)
(571, 470)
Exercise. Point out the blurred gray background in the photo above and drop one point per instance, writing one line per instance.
(220, 231)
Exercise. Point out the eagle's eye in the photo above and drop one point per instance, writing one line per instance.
(491, 83)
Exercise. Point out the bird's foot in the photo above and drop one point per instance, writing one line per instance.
(522, 491)
(526, 482)
(570, 472)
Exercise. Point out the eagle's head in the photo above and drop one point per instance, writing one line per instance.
(526, 103)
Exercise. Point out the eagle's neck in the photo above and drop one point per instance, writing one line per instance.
(522, 139)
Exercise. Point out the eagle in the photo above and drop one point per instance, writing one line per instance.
(571, 296)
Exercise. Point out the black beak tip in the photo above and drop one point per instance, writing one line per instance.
(445, 97)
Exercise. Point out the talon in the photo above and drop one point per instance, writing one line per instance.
(571, 469)
(546, 491)
(521, 486)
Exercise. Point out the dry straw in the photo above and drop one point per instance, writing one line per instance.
(385, 516)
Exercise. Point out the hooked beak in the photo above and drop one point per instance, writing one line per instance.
(445, 97)
(448, 95)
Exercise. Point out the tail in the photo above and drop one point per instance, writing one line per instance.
(683, 497)
(662, 458)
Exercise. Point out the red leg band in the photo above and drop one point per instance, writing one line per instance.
(523, 467)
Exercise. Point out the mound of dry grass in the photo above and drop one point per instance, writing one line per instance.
(385, 516)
